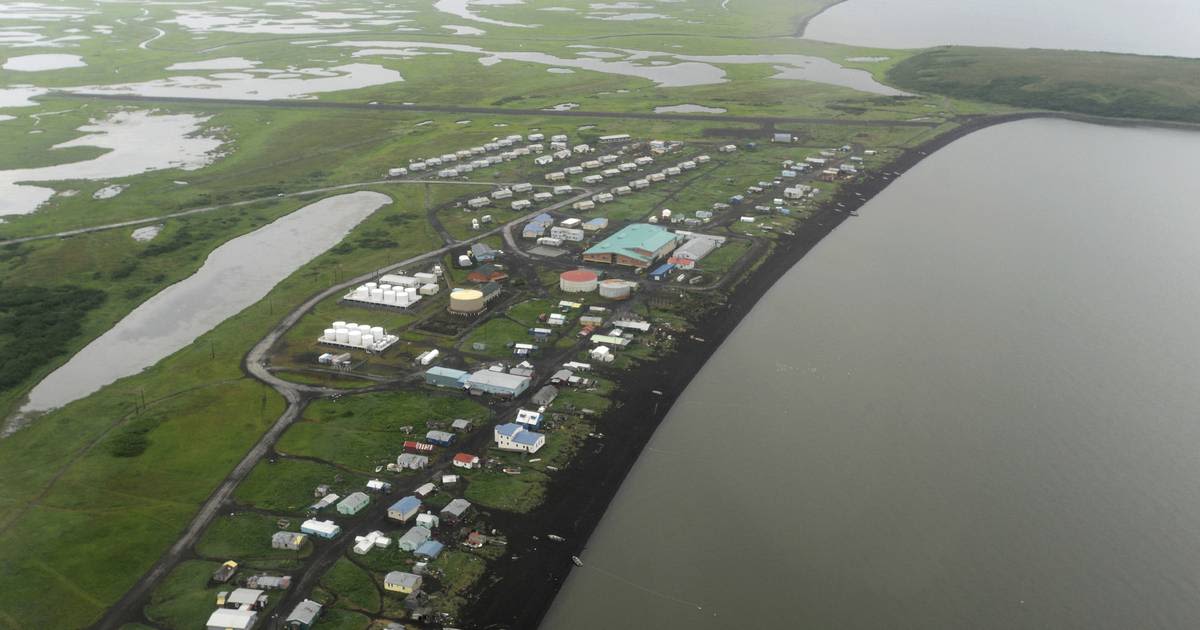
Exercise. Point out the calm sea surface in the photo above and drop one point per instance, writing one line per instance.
(1111, 25)
(974, 406)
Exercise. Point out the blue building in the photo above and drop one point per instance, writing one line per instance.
(429, 550)
(662, 272)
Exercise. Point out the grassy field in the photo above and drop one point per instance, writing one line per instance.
(1101, 84)
(363, 432)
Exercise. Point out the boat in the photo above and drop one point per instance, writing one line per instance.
(577, 561)
(555, 537)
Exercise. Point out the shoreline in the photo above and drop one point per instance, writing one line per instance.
(802, 23)
(520, 591)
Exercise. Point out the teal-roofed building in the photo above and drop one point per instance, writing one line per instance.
(637, 245)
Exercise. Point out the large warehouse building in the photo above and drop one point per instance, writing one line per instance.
(636, 245)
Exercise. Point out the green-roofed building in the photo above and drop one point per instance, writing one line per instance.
(637, 245)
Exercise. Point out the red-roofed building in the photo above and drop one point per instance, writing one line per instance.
(466, 460)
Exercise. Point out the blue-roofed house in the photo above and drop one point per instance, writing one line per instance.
(513, 437)
(404, 509)
(537, 226)
(661, 272)
(430, 550)
(636, 245)
(596, 224)
(445, 377)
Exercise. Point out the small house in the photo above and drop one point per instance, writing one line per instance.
(425, 490)
(288, 540)
(303, 616)
(414, 537)
(466, 460)
(441, 438)
(401, 582)
(428, 520)
(322, 529)
(429, 550)
(404, 509)
(226, 619)
(376, 485)
(461, 425)
(482, 252)
(411, 461)
(455, 510)
(545, 395)
(353, 504)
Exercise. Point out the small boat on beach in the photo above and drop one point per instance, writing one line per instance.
(577, 561)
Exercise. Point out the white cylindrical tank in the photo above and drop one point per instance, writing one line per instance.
(362, 293)
(377, 332)
(377, 295)
(372, 285)
(412, 293)
(352, 326)
(389, 297)
(615, 289)
(368, 341)
(355, 338)
(386, 287)
(343, 335)
(466, 301)
(339, 324)
(364, 329)
(330, 334)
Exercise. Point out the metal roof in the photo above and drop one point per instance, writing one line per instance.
(497, 379)
(528, 438)
(305, 612)
(634, 241)
(402, 579)
(430, 548)
(457, 507)
(230, 618)
(509, 429)
(406, 504)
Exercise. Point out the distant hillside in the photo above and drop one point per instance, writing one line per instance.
(1101, 84)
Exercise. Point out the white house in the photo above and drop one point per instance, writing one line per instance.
(513, 437)
(566, 234)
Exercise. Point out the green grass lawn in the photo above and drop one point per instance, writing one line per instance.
(246, 538)
(355, 588)
(365, 431)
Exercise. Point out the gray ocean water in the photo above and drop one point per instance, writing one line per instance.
(973, 406)
(1144, 27)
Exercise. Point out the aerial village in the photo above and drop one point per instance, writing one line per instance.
(454, 389)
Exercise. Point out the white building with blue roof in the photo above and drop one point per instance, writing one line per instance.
(514, 437)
